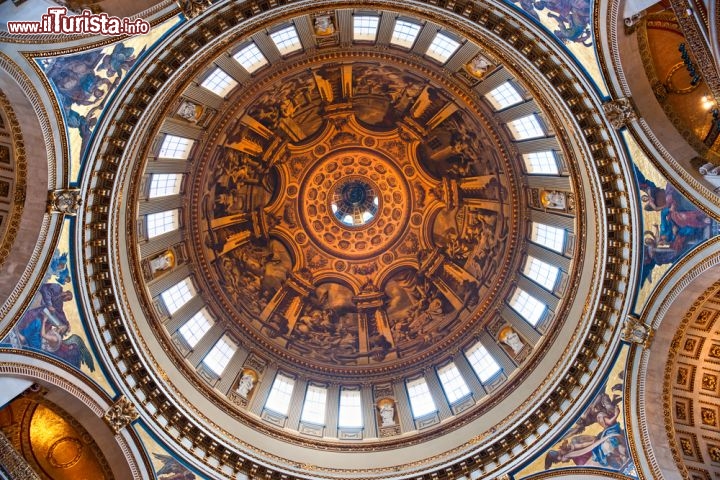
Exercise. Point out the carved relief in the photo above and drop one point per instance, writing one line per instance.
(193, 8)
(65, 201)
(121, 414)
(619, 112)
(635, 331)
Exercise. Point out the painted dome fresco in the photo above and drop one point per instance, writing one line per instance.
(354, 229)
(360, 240)
(344, 230)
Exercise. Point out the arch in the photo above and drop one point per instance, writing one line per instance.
(87, 404)
(626, 77)
(666, 312)
(33, 151)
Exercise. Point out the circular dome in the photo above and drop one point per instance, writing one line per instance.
(316, 246)
(342, 239)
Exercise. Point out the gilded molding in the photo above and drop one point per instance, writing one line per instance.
(121, 414)
(667, 393)
(620, 112)
(655, 310)
(20, 170)
(640, 130)
(487, 449)
(64, 201)
(36, 369)
(13, 463)
(698, 45)
(48, 135)
(50, 39)
(637, 332)
(660, 87)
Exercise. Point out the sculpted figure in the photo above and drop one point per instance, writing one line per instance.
(509, 337)
(247, 381)
(324, 26)
(387, 414)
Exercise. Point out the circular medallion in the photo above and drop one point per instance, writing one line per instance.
(356, 203)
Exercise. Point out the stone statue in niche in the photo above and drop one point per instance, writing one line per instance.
(163, 262)
(387, 412)
(478, 66)
(324, 26)
(189, 111)
(509, 337)
(553, 199)
(246, 383)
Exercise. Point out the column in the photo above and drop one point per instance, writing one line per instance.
(332, 410)
(493, 81)
(263, 389)
(156, 287)
(425, 37)
(463, 55)
(233, 369)
(368, 412)
(160, 204)
(185, 313)
(407, 422)
(205, 344)
(438, 394)
(296, 403)
(517, 111)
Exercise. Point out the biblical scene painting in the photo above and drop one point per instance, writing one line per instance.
(166, 465)
(672, 224)
(430, 221)
(52, 324)
(598, 438)
(570, 21)
(83, 83)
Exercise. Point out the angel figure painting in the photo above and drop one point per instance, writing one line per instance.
(45, 325)
(597, 438)
(172, 469)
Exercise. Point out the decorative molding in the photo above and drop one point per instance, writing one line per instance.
(13, 463)
(18, 163)
(167, 8)
(121, 414)
(47, 370)
(64, 201)
(656, 308)
(697, 41)
(613, 178)
(619, 112)
(193, 8)
(637, 332)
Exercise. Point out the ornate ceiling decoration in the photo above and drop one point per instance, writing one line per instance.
(691, 386)
(353, 219)
(51, 441)
(355, 214)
